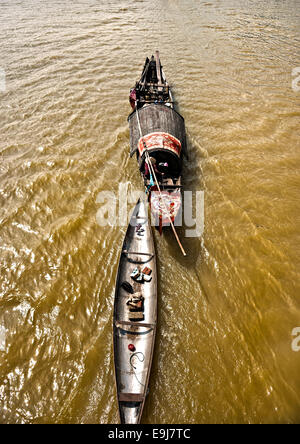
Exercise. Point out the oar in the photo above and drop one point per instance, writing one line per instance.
(156, 182)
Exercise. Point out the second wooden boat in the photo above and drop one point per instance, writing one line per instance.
(135, 316)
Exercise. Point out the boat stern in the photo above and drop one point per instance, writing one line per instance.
(165, 206)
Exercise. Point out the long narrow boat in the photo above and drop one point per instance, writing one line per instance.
(157, 128)
(135, 316)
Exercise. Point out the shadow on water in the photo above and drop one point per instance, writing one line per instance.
(192, 181)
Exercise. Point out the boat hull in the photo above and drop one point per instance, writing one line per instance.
(158, 136)
(132, 367)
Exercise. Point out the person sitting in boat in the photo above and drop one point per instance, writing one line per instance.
(147, 169)
(132, 98)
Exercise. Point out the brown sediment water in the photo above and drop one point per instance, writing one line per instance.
(226, 311)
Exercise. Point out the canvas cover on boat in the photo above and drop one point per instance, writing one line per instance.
(156, 118)
(159, 140)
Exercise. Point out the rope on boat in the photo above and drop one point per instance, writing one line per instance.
(134, 368)
(155, 178)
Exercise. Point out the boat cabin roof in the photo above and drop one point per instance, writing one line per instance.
(157, 118)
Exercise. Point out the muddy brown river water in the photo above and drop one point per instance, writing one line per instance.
(225, 350)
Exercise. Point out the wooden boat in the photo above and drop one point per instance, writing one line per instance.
(159, 130)
(135, 315)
